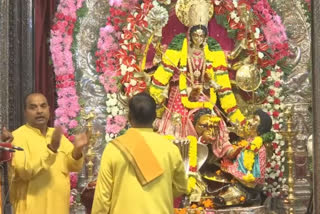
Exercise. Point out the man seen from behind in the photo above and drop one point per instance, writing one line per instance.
(141, 171)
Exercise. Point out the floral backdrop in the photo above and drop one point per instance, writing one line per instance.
(117, 64)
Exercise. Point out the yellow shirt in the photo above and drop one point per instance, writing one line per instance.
(40, 177)
(118, 190)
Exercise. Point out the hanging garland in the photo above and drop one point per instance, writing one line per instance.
(60, 47)
(107, 65)
(272, 46)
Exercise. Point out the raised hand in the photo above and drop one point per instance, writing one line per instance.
(6, 135)
(56, 138)
(80, 141)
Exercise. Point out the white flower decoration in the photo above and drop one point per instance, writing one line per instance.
(235, 3)
(217, 2)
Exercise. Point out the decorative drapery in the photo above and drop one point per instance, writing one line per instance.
(44, 75)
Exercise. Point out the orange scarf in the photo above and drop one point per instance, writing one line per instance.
(132, 144)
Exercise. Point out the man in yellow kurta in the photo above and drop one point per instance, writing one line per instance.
(141, 172)
(40, 173)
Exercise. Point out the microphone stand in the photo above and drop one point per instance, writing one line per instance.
(5, 157)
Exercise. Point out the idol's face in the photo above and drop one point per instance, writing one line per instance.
(198, 37)
(207, 128)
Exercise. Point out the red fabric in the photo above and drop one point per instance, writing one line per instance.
(44, 76)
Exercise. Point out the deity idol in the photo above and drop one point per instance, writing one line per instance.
(236, 177)
(192, 75)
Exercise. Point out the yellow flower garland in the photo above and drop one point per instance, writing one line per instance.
(170, 137)
(249, 156)
(193, 151)
(256, 143)
(215, 60)
(193, 147)
(192, 105)
(248, 159)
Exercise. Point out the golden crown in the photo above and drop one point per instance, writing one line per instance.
(194, 12)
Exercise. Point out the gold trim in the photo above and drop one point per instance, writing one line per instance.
(200, 14)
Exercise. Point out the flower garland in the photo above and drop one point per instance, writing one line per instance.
(60, 47)
(116, 121)
(249, 155)
(192, 105)
(215, 60)
(272, 46)
(269, 32)
(193, 147)
(274, 106)
(128, 43)
(107, 65)
(119, 66)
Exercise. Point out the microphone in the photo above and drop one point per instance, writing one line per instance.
(6, 149)
(9, 147)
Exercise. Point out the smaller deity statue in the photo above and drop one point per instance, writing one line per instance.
(233, 173)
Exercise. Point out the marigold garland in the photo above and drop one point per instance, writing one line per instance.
(215, 59)
(193, 147)
(248, 159)
(249, 155)
(192, 105)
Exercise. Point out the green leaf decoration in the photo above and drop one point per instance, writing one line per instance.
(177, 42)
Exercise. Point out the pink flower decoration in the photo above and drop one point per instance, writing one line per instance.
(73, 179)
(60, 44)
(115, 3)
(73, 124)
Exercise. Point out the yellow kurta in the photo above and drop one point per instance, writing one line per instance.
(40, 177)
(118, 190)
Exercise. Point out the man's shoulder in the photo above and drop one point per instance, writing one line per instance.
(20, 130)
(164, 142)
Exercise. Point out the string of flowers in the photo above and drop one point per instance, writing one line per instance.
(107, 65)
(274, 106)
(73, 185)
(128, 43)
(271, 42)
(273, 29)
(249, 156)
(192, 162)
(118, 66)
(60, 47)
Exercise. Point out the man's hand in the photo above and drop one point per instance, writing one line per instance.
(80, 141)
(55, 139)
(6, 135)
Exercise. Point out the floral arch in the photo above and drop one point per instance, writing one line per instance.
(116, 64)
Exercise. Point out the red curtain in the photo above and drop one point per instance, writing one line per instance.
(44, 76)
